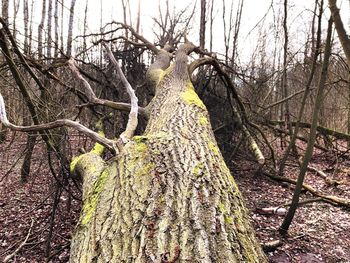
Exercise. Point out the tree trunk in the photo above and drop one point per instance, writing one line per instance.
(70, 28)
(5, 14)
(26, 23)
(315, 52)
(202, 25)
(345, 42)
(25, 169)
(5, 10)
(168, 196)
(312, 137)
(49, 30)
(41, 29)
(56, 26)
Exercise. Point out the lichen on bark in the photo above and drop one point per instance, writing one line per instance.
(169, 193)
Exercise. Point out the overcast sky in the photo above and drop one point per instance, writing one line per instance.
(258, 16)
(254, 18)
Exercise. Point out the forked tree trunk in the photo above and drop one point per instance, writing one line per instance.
(169, 196)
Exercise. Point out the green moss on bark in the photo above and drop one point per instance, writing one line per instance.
(89, 207)
(189, 96)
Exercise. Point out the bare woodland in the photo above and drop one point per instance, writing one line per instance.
(120, 146)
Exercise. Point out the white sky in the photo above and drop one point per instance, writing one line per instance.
(300, 12)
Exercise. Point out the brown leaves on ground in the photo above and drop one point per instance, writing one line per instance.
(320, 232)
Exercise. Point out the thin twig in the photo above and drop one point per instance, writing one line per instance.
(7, 258)
(110, 144)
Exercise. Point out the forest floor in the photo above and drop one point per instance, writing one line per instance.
(320, 232)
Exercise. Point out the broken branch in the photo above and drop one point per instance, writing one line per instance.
(132, 121)
(110, 144)
(94, 100)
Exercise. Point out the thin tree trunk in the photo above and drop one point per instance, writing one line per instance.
(85, 27)
(41, 29)
(62, 22)
(211, 26)
(5, 15)
(49, 30)
(285, 65)
(70, 28)
(306, 93)
(202, 25)
(236, 31)
(138, 17)
(345, 42)
(56, 26)
(31, 25)
(26, 22)
(25, 169)
(5, 10)
(16, 4)
(339, 26)
(312, 137)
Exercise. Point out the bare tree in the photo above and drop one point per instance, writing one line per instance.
(70, 28)
(56, 27)
(312, 137)
(26, 24)
(5, 10)
(16, 4)
(315, 52)
(62, 22)
(211, 26)
(49, 29)
(41, 29)
(202, 25)
(237, 27)
(345, 42)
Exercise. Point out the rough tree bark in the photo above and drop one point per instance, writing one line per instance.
(168, 196)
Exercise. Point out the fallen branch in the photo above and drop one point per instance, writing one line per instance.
(264, 108)
(329, 181)
(110, 144)
(271, 245)
(254, 146)
(298, 137)
(280, 211)
(307, 201)
(334, 200)
(321, 129)
(9, 257)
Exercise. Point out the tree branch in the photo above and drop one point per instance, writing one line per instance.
(147, 43)
(93, 100)
(132, 121)
(9, 257)
(110, 144)
(339, 26)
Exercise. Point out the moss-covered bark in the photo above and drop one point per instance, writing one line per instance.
(169, 196)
